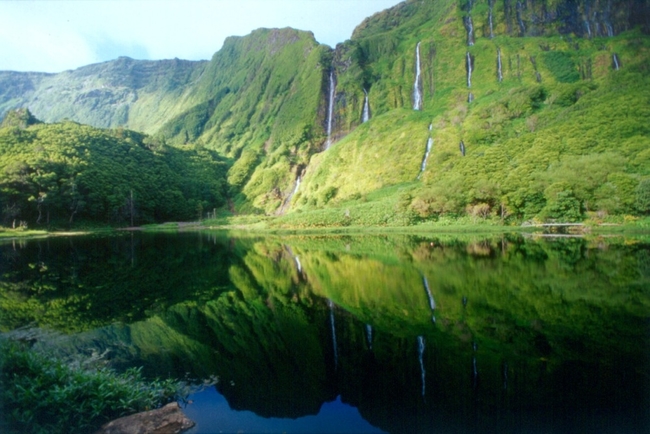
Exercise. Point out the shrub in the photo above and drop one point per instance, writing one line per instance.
(44, 394)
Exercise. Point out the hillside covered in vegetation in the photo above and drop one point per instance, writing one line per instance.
(492, 109)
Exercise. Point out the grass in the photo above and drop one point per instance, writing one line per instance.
(41, 394)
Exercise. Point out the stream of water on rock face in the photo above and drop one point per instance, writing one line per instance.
(522, 27)
(616, 62)
(333, 326)
(421, 359)
(366, 108)
(469, 66)
(417, 95)
(469, 24)
(490, 20)
(499, 66)
(330, 110)
(426, 156)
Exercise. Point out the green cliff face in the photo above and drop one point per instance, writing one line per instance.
(532, 109)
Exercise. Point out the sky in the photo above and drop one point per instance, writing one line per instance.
(57, 35)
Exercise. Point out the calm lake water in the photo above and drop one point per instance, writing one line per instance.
(355, 334)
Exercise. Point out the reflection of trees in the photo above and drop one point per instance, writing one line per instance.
(82, 283)
(557, 327)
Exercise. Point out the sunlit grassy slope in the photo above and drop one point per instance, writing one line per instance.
(552, 120)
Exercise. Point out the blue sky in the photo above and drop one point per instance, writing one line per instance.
(55, 35)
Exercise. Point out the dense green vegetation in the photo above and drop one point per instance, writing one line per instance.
(42, 394)
(57, 174)
(552, 121)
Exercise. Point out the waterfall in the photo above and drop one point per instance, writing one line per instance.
(366, 108)
(430, 127)
(417, 96)
(610, 30)
(588, 27)
(522, 27)
(298, 264)
(334, 346)
(490, 20)
(499, 66)
(470, 97)
(432, 302)
(286, 202)
(616, 62)
(462, 148)
(330, 110)
(426, 156)
(469, 66)
(469, 25)
(421, 359)
(474, 372)
(369, 335)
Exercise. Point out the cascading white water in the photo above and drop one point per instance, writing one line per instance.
(432, 302)
(330, 110)
(366, 108)
(298, 264)
(615, 60)
(499, 66)
(369, 335)
(417, 95)
(490, 22)
(610, 30)
(421, 359)
(469, 24)
(522, 27)
(588, 27)
(470, 97)
(334, 346)
(468, 62)
(426, 156)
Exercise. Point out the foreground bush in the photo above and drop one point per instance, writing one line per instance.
(42, 394)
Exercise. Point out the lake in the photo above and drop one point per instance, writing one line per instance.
(354, 334)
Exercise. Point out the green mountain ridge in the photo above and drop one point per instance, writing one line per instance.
(534, 109)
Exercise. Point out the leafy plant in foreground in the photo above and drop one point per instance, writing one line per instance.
(41, 394)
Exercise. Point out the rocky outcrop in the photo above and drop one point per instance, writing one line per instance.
(166, 420)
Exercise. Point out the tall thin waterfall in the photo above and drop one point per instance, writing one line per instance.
(421, 359)
(330, 110)
(469, 25)
(298, 264)
(588, 27)
(616, 62)
(432, 302)
(490, 20)
(610, 29)
(522, 27)
(470, 97)
(417, 95)
(469, 65)
(287, 201)
(369, 335)
(462, 148)
(426, 152)
(366, 108)
(499, 66)
(334, 346)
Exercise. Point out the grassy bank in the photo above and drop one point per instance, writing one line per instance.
(43, 394)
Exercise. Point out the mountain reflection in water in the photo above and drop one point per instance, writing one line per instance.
(210, 409)
(530, 335)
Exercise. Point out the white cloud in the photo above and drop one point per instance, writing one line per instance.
(55, 35)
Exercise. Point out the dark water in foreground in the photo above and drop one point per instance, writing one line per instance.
(400, 334)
